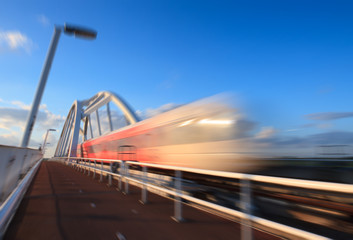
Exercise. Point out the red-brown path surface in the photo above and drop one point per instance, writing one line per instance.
(62, 203)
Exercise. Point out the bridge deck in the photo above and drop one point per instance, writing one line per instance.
(64, 204)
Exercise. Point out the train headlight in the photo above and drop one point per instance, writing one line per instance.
(216, 122)
(186, 123)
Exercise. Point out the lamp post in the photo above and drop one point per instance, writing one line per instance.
(70, 30)
(45, 139)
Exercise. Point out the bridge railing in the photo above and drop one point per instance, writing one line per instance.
(95, 166)
(17, 167)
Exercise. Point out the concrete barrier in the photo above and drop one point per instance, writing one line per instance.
(14, 164)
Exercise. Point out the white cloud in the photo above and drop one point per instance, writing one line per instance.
(21, 105)
(324, 125)
(324, 116)
(293, 130)
(266, 132)
(11, 139)
(15, 40)
(47, 119)
(13, 120)
(150, 112)
(42, 19)
(10, 116)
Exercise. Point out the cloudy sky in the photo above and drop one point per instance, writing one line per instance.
(288, 62)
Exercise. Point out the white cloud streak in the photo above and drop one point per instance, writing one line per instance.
(266, 132)
(42, 19)
(150, 112)
(21, 105)
(15, 40)
(324, 116)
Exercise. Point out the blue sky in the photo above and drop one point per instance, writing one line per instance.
(284, 60)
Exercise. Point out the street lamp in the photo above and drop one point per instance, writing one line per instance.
(45, 139)
(70, 30)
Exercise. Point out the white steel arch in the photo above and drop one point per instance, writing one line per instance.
(80, 111)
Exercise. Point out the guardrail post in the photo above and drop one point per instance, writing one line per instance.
(178, 208)
(84, 166)
(245, 202)
(121, 171)
(126, 168)
(101, 178)
(89, 167)
(95, 165)
(144, 187)
(110, 176)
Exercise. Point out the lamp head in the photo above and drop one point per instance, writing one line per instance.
(80, 32)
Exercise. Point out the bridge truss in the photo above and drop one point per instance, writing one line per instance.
(78, 123)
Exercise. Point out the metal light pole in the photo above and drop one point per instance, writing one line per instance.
(45, 139)
(71, 30)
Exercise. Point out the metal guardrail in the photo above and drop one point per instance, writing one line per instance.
(17, 168)
(247, 220)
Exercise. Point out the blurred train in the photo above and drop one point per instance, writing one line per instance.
(206, 134)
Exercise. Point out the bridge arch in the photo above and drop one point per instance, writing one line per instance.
(80, 112)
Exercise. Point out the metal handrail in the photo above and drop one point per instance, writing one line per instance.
(297, 183)
(290, 182)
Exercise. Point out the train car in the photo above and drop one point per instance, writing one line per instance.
(207, 134)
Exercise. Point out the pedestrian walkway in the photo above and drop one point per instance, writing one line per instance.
(65, 204)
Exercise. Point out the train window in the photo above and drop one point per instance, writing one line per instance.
(190, 134)
(97, 148)
(195, 133)
(111, 145)
(89, 149)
